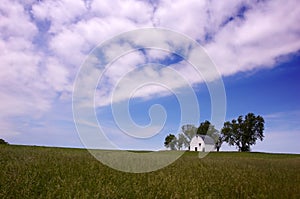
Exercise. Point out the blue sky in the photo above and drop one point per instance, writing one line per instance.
(254, 46)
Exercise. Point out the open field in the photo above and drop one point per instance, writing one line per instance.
(42, 172)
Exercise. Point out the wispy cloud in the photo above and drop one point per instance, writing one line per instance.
(279, 142)
(283, 121)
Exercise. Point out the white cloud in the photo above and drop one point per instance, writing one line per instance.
(148, 81)
(61, 13)
(188, 17)
(15, 22)
(39, 64)
(265, 33)
(139, 12)
(56, 75)
(68, 46)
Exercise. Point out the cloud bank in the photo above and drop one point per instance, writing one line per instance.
(43, 43)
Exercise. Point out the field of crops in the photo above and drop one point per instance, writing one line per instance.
(41, 172)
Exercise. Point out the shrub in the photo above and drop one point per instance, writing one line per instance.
(3, 141)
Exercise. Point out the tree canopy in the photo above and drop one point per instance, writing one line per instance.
(171, 142)
(188, 132)
(219, 143)
(182, 141)
(3, 141)
(243, 131)
(206, 128)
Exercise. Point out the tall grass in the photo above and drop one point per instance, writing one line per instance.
(41, 172)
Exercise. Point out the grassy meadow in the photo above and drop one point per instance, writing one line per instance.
(44, 172)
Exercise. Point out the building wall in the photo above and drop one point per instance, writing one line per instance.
(197, 143)
(209, 147)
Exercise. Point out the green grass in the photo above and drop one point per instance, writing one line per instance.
(41, 172)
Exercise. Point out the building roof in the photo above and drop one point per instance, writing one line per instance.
(207, 139)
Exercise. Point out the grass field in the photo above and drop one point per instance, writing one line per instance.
(41, 172)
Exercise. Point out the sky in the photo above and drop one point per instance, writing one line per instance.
(254, 46)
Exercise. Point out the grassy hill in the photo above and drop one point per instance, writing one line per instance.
(44, 172)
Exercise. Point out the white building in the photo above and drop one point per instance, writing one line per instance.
(202, 143)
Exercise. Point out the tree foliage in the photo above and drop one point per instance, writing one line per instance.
(206, 128)
(171, 142)
(188, 132)
(184, 138)
(3, 141)
(244, 131)
(203, 128)
(182, 141)
(219, 143)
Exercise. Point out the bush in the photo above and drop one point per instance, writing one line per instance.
(3, 141)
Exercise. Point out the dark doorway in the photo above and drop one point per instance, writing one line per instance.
(196, 149)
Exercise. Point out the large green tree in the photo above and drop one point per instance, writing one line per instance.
(243, 131)
(171, 142)
(206, 128)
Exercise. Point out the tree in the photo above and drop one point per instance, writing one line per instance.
(182, 141)
(3, 141)
(244, 131)
(203, 128)
(206, 128)
(171, 142)
(184, 138)
(189, 131)
(219, 143)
